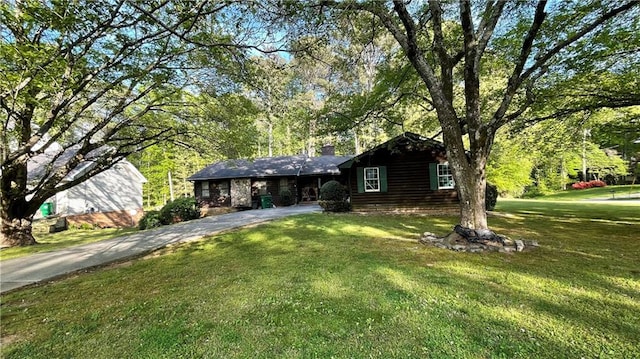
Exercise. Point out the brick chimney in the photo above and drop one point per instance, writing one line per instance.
(328, 150)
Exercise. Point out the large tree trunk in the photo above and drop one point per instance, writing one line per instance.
(468, 167)
(15, 231)
(16, 213)
(471, 190)
(469, 173)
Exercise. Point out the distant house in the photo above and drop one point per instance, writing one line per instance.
(406, 173)
(112, 198)
(240, 183)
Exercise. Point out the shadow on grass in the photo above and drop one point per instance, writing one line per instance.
(346, 286)
(586, 286)
(625, 212)
(73, 237)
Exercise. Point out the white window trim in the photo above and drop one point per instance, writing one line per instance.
(377, 179)
(450, 175)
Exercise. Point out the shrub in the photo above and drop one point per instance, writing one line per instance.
(333, 191)
(84, 226)
(150, 219)
(180, 210)
(286, 197)
(335, 206)
(579, 185)
(491, 197)
(590, 184)
(333, 197)
(532, 191)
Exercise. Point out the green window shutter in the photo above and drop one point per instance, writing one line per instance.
(433, 176)
(360, 176)
(382, 170)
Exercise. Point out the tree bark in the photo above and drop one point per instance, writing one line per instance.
(16, 213)
(471, 190)
(15, 231)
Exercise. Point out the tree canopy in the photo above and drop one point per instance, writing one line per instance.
(88, 85)
(484, 65)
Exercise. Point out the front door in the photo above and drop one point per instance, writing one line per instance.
(241, 192)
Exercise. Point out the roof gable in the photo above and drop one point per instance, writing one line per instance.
(56, 156)
(407, 141)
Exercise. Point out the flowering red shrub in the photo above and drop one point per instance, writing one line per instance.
(579, 185)
(590, 184)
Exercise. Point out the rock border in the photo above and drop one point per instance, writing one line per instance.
(466, 240)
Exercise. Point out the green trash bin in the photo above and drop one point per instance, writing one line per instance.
(266, 201)
(46, 209)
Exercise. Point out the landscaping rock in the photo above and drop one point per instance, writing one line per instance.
(531, 243)
(60, 225)
(463, 239)
(507, 241)
(431, 237)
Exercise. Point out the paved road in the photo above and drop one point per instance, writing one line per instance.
(20, 272)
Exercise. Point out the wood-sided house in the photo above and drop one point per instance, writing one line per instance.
(406, 173)
(240, 183)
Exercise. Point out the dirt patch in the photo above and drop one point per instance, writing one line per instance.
(9, 339)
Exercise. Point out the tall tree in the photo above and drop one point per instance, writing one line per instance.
(364, 98)
(267, 84)
(285, 92)
(86, 85)
(544, 45)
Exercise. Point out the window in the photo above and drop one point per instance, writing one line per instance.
(223, 187)
(204, 192)
(259, 188)
(371, 179)
(445, 178)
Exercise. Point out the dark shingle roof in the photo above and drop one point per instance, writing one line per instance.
(271, 167)
(323, 165)
(278, 166)
(403, 141)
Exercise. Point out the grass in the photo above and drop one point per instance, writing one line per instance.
(620, 193)
(53, 241)
(623, 211)
(322, 286)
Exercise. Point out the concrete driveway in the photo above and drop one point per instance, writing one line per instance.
(20, 272)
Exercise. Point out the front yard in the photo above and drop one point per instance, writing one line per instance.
(321, 286)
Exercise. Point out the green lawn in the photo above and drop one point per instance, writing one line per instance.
(623, 211)
(620, 193)
(350, 286)
(52, 241)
